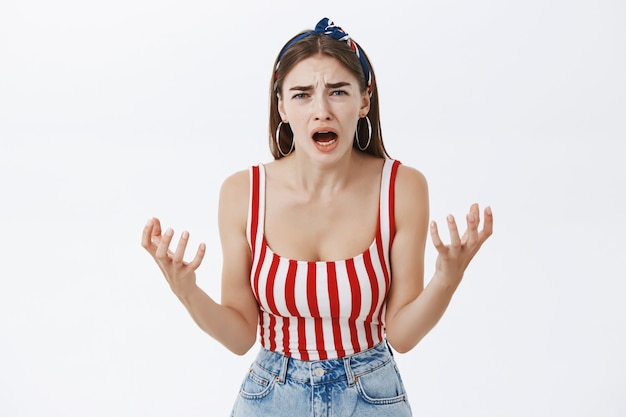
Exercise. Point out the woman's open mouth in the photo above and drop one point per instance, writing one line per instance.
(325, 138)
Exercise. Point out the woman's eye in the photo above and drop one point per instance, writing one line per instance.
(300, 95)
(339, 93)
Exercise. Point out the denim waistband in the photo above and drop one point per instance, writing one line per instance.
(323, 371)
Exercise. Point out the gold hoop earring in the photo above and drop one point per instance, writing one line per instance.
(369, 137)
(277, 136)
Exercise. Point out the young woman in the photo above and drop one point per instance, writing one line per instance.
(323, 247)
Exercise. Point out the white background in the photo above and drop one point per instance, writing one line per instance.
(113, 112)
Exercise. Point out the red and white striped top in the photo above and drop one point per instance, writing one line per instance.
(321, 310)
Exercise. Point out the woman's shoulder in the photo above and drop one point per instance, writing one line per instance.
(410, 178)
(237, 180)
(233, 201)
(236, 187)
(411, 192)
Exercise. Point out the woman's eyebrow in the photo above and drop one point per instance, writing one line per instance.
(337, 85)
(301, 88)
(327, 85)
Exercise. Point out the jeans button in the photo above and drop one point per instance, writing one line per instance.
(319, 372)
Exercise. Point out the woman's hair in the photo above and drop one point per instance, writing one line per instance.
(320, 44)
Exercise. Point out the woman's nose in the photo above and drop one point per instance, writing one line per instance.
(321, 109)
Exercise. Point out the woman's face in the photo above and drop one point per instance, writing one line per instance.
(322, 102)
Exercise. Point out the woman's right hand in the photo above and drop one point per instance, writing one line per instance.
(180, 275)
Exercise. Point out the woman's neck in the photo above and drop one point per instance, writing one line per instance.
(321, 179)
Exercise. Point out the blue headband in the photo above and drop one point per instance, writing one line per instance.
(327, 27)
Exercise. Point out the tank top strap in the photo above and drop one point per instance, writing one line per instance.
(386, 223)
(256, 208)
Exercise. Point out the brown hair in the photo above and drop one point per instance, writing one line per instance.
(315, 44)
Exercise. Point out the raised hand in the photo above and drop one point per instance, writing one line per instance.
(453, 259)
(180, 275)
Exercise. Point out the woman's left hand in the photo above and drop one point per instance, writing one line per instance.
(453, 259)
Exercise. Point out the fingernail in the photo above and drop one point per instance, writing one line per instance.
(185, 235)
(169, 231)
(450, 218)
(471, 217)
(488, 210)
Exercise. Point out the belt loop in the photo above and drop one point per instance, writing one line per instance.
(283, 369)
(349, 373)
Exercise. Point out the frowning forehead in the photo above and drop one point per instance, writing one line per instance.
(318, 72)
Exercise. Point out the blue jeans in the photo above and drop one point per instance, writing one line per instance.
(365, 384)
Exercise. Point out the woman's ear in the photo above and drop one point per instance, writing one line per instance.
(281, 107)
(365, 105)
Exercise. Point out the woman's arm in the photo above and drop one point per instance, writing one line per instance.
(412, 310)
(233, 322)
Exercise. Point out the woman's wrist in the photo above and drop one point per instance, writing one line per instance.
(187, 294)
(446, 281)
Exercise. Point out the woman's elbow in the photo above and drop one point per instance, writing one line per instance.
(400, 341)
(400, 346)
(241, 347)
(240, 350)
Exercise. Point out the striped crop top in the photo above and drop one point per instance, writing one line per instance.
(321, 310)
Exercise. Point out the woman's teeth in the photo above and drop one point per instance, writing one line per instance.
(326, 143)
(324, 138)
